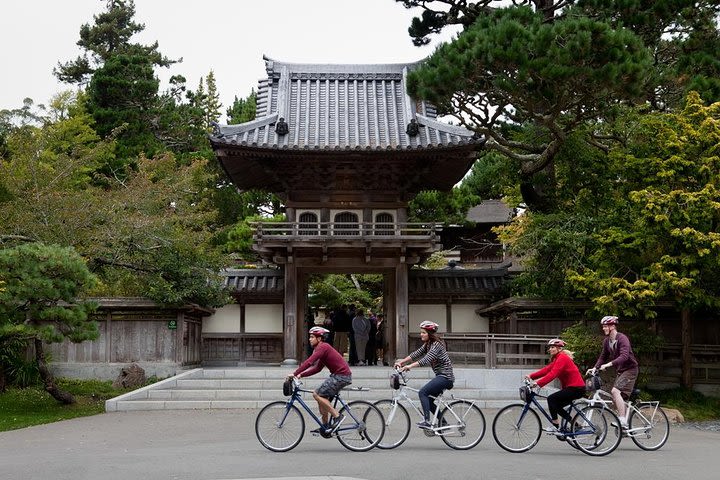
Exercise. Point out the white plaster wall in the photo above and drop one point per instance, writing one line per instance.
(464, 319)
(225, 320)
(420, 313)
(264, 318)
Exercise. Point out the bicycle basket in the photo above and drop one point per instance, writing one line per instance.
(525, 393)
(593, 383)
(288, 387)
(395, 381)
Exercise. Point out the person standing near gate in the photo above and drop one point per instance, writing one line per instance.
(361, 332)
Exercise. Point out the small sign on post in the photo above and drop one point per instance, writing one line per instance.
(172, 324)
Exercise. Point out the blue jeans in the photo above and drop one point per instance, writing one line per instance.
(434, 387)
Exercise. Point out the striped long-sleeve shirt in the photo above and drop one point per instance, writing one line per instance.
(436, 357)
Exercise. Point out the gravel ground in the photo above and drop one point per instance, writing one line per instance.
(709, 425)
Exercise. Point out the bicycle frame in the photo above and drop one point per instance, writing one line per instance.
(295, 397)
(401, 395)
(572, 407)
(605, 398)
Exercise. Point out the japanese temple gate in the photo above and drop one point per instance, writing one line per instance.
(346, 149)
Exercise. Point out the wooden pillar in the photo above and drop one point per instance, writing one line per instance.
(290, 323)
(389, 311)
(401, 310)
(302, 334)
(448, 315)
(686, 332)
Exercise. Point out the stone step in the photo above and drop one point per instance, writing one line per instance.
(228, 388)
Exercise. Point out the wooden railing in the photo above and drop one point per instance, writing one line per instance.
(343, 230)
(491, 350)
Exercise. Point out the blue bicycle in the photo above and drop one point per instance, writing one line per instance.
(594, 429)
(280, 425)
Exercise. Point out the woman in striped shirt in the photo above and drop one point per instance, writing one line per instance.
(431, 354)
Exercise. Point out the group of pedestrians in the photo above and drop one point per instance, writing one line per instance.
(616, 352)
(359, 335)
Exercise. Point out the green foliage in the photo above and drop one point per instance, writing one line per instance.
(24, 407)
(694, 405)
(442, 207)
(18, 369)
(335, 290)
(122, 93)
(41, 291)
(109, 36)
(242, 109)
(240, 236)
(662, 241)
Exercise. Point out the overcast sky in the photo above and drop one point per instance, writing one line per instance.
(226, 36)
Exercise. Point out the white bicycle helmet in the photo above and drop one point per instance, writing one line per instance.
(429, 326)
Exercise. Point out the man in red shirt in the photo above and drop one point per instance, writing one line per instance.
(325, 355)
(562, 367)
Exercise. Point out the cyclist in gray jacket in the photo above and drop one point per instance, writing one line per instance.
(431, 354)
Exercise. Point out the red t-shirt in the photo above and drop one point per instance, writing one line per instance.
(324, 355)
(561, 367)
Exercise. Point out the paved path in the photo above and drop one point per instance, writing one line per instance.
(221, 444)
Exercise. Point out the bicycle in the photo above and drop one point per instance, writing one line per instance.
(648, 425)
(280, 425)
(458, 422)
(517, 427)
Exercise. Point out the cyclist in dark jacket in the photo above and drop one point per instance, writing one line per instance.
(617, 352)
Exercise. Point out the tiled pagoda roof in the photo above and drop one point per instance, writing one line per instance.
(340, 107)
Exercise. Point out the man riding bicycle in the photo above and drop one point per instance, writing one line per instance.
(617, 352)
(324, 355)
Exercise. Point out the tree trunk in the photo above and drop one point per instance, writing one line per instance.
(47, 377)
(3, 380)
(686, 331)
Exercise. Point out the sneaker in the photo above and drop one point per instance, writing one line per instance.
(552, 429)
(335, 422)
(425, 425)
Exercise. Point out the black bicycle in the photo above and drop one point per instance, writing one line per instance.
(280, 425)
(593, 430)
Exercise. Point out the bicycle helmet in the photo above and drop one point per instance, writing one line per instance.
(429, 326)
(319, 331)
(609, 320)
(555, 342)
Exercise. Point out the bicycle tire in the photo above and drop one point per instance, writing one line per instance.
(397, 424)
(274, 436)
(363, 427)
(605, 426)
(654, 423)
(471, 429)
(515, 431)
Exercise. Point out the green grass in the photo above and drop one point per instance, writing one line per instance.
(693, 405)
(24, 407)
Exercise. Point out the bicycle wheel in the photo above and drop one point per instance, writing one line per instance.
(463, 425)
(596, 431)
(649, 426)
(516, 429)
(279, 428)
(363, 427)
(397, 424)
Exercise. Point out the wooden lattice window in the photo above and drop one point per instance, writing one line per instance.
(384, 224)
(308, 224)
(346, 223)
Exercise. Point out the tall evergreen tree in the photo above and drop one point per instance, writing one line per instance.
(528, 75)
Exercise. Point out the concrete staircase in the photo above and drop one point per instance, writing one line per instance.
(254, 387)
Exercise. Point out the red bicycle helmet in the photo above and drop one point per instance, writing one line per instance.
(609, 320)
(429, 326)
(319, 331)
(555, 342)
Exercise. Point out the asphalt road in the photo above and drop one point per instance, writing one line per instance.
(221, 444)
